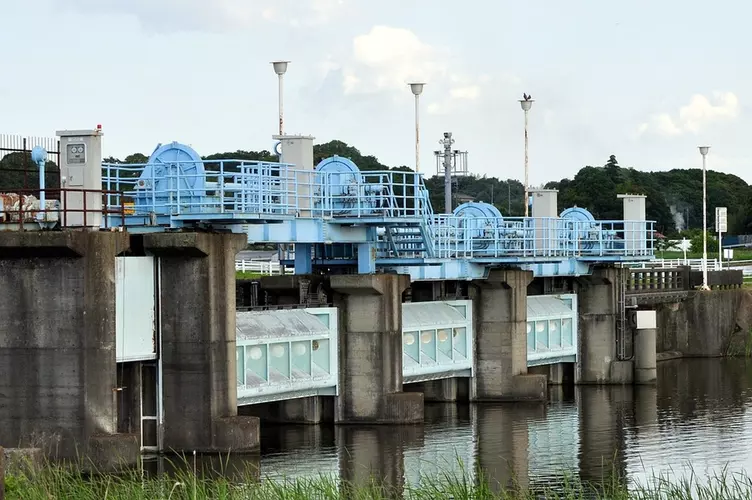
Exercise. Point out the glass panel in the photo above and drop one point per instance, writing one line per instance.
(554, 328)
(301, 359)
(460, 342)
(444, 341)
(530, 337)
(411, 345)
(239, 369)
(566, 332)
(428, 344)
(541, 334)
(279, 360)
(255, 364)
(320, 362)
(324, 318)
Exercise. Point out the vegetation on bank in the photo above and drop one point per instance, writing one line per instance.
(672, 195)
(53, 482)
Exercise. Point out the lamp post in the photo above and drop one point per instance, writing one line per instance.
(280, 67)
(526, 103)
(704, 152)
(417, 89)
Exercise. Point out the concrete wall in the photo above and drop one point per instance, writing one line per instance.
(500, 312)
(198, 342)
(57, 345)
(710, 323)
(370, 359)
(598, 307)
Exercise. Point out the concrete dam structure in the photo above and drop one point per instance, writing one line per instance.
(124, 330)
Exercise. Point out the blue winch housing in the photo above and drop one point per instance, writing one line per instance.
(342, 190)
(337, 215)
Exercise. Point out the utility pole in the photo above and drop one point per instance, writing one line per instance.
(417, 89)
(526, 103)
(704, 152)
(447, 142)
(451, 163)
(280, 67)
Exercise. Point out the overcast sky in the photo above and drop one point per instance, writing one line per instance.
(647, 81)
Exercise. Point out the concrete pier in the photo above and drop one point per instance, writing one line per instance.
(599, 310)
(198, 343)
(645, 371)
(370, 385)
(57, 345)
(500, 312)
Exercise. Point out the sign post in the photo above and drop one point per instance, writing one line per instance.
(721, 226)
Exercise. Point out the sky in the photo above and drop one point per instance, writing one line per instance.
(646, 81)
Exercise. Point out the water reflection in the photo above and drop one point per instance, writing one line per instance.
(698, 415)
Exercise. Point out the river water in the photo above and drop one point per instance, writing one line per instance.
(697, 420)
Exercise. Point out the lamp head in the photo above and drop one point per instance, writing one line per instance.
(416, 88)
(38, 155)
(704, 150)
(526, 104)
(280, 67)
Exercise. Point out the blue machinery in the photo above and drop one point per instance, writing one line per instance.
(339, 217)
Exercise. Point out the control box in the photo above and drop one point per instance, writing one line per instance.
(81, 178)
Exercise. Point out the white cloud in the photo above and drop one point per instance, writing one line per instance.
(693, 117)
(385, 59)
(388, 58)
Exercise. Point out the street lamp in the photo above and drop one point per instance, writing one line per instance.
(417, 89)
(280, 67)
(704, 152)
(526, 103)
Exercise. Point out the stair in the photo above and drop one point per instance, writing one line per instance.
(409, 240)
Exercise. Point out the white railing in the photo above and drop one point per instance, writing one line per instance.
(694, 264)
(265, 267)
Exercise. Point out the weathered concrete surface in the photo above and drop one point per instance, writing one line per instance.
(22, 460)
(436, 391)
(598, 307)
(57, 343)
(370, 358)
(645, 356)
(500, 312)
(707, 323)
(198, 343)
(310, 410)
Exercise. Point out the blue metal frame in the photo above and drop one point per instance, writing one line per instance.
(337, 215)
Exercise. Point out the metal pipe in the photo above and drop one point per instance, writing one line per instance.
(704, 153)
(417, 133)
(281, 115)
(526, 165)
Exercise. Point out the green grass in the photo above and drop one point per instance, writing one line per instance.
(56, 482)
(247, 275)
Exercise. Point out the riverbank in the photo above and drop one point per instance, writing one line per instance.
(53, 482)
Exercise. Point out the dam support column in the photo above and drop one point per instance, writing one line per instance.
(370, 384)
(500, 311)
(645, 370)
(197, 274)
(58, 361)
(602, 341)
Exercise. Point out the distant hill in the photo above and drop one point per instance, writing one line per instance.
(674, 197)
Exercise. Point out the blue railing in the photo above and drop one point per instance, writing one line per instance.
(192, 190)
(174, 193)
(490, 237)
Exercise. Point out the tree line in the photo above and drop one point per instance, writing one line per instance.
(674, 197)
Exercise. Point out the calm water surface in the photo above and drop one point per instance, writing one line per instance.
(697, 418)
